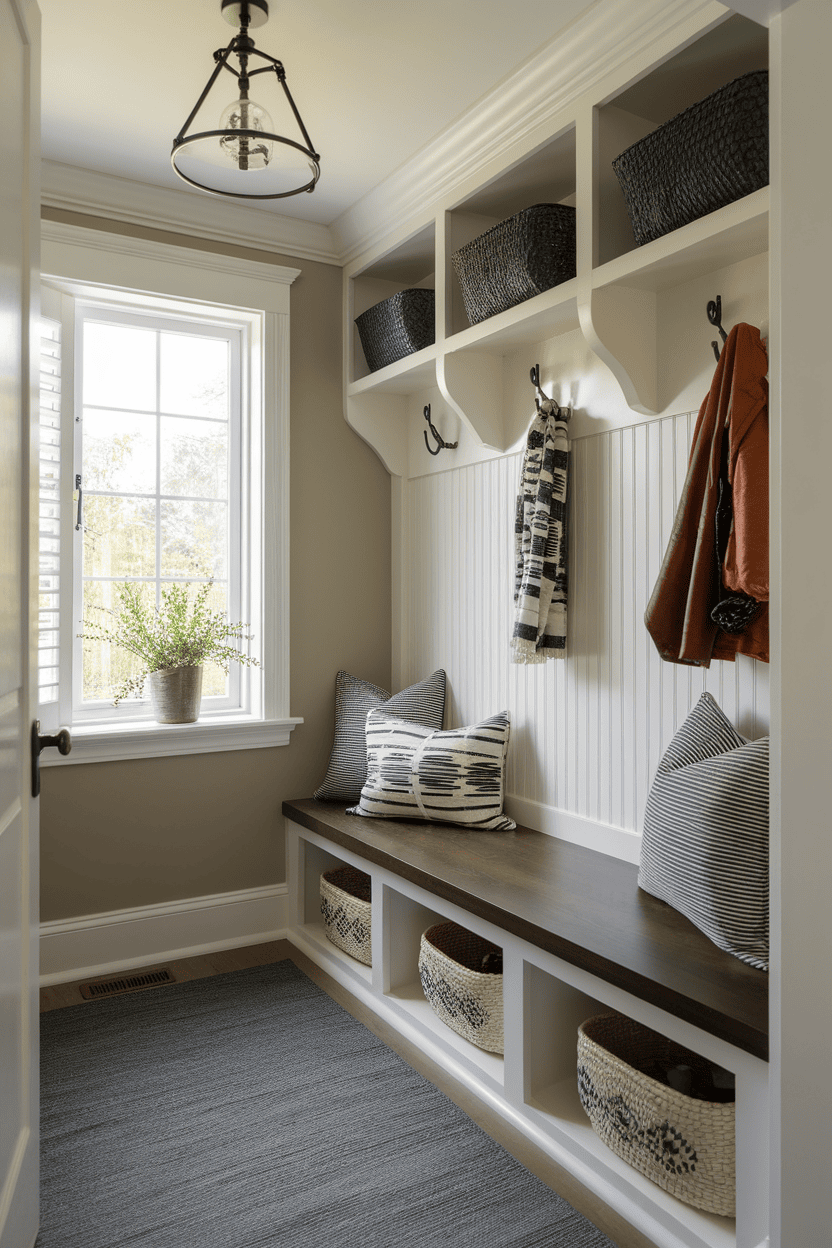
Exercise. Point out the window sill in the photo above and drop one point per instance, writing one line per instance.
(101, 743)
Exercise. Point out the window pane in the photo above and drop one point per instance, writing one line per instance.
(194, 376)
(214, 679)
(194, 539)
(194, 457)
(119, 452)
(119, 366)
(105, 665)
(119, 536)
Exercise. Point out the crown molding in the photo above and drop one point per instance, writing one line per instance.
(69, 189)
(504, 122)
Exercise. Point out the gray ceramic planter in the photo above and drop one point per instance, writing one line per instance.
(175, 694)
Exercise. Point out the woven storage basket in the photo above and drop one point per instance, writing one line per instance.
(347, 912)
(684, 1145)
(517, 259)
(706, 157)
(463, 996)
(397, 327)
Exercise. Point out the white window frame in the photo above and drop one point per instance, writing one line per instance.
(96, 266)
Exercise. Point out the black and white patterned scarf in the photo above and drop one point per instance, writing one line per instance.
(540, 544)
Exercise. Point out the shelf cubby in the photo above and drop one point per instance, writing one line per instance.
(544, 176)
(411, 263)
(724, 52)
(558, 1110)
(404, 920)
(314, 859)
(553, 1011)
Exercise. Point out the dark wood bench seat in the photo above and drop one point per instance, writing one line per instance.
(583, 906)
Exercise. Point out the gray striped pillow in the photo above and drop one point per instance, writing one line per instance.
(705, 843)
(456, 776)
(424, 703)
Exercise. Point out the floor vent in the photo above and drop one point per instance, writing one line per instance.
(125, 983)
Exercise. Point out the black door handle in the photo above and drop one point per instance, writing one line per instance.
(62, 740)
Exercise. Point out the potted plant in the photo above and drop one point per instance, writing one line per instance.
(172, 641)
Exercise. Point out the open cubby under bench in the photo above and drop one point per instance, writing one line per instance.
(579, 938)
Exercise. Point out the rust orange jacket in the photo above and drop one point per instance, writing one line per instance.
(688, 586)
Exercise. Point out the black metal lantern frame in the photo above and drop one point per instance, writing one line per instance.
(242, 46)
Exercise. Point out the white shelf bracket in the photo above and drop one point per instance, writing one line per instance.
(472, 383)
(381, 420)
(619, 324)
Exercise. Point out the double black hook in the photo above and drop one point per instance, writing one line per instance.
(562, 413)
(715, 317)
(441, 445)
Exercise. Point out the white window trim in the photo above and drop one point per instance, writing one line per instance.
(95, 264)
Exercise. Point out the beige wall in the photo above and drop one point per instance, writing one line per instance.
(116, 835)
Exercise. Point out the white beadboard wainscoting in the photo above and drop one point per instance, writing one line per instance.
(587, 731)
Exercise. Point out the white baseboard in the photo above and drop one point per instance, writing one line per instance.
(606, 838)
(100, 944)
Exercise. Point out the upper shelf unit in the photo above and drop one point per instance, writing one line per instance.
(615, 299)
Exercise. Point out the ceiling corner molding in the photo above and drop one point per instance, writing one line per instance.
(67, 188)
(608, 36)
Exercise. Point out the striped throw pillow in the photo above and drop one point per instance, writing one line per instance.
(456, 776)
(705, 843)
(424, 703)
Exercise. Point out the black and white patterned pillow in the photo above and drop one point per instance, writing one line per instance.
(424, 703)
(456, 776)
(705, 843)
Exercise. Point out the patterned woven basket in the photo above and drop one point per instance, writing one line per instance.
(682, 1144)
(347, 912)
(714, 152)
(517, 259)
(397, 327)
(465, 997)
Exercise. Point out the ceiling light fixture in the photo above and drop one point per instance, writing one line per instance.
(244, 158)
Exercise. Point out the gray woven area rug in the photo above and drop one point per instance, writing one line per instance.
(249, 1110)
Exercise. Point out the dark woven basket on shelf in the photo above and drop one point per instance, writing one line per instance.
(397, 327)
(346, 906)
(709, 155)
(683, 1143)
(517, 259)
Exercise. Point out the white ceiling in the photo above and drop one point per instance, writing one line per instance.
(374, 80)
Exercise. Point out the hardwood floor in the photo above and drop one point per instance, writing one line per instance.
(59, 996)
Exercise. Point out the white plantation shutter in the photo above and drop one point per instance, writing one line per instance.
(49, 528)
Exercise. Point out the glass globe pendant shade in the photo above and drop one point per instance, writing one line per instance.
(245, 151)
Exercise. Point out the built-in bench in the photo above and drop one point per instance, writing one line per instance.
(579, 938)
(583, 906)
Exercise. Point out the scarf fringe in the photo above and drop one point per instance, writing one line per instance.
(523, 651)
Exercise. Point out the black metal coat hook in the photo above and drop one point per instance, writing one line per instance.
(715, 317)
(441, 444)
(534, 375)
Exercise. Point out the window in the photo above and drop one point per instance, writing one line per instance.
(158, 488)
(164, 460)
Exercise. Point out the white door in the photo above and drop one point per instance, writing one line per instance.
(19, 251)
